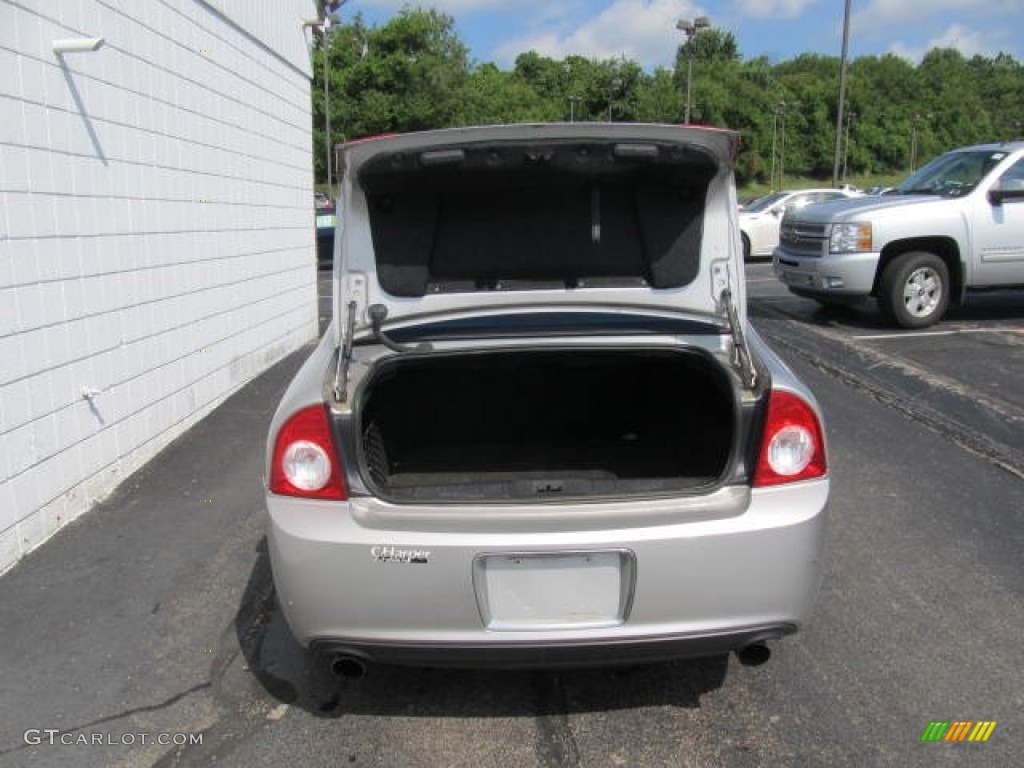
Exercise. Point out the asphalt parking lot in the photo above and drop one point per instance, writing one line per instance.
(155, 613)
(961, 376)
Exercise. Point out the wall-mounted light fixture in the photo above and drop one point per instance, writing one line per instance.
(78, 45)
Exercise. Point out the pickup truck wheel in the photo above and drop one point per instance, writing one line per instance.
(915, 289)
(746, 246)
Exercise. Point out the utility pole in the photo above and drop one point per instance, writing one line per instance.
(842, 94)
(846, 143)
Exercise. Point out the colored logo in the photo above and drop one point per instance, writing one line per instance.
(958, 730)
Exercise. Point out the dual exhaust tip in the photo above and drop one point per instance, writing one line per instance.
(345, 666)
(754, 655)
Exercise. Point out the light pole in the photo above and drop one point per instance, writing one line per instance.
(323, 22)
(690, 29)
(842, 93)
(327, 101)
(613, 87)
(915, 122)
(779, 127)
(782, 146)
(780, 109)
(846, 143)
(573, 101)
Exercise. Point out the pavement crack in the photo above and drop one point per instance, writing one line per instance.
(556, 746)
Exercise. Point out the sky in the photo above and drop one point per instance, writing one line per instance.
(644, 30)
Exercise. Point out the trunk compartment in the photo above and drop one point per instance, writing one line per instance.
(549, 424)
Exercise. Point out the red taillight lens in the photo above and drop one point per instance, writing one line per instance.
(793, 447)
(305, 461)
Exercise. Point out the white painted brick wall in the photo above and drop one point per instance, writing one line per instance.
(156, 238)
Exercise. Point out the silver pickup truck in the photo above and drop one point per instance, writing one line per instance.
(954, 225)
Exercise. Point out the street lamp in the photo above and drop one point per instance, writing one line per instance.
(325, 11)
(780, 109)
(690, 29)
(613, 87)
(327, 103)
(573, 101)
(914, 123)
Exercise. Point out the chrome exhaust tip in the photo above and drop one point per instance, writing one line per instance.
(345, 667)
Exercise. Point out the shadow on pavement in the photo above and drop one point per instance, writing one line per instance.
(995, 306)
(292, 675)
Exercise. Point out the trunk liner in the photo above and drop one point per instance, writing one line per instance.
(531, 425)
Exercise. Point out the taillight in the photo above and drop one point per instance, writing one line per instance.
(793, 447)
(305, 461)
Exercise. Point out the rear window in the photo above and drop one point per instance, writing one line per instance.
(528, 215)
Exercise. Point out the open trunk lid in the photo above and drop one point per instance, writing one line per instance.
(641, 217)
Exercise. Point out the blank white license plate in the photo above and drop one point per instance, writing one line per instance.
(557, 591)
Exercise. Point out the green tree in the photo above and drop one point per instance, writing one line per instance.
(491, 96)
(406, 75)
(709, 45)
(413, 73)
(658, 98)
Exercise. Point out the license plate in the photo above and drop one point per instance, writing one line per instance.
(327, 221)
(554, 591)
(796, 278)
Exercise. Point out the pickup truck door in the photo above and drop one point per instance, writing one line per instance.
(999, 231)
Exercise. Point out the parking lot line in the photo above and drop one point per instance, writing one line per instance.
(872, 337)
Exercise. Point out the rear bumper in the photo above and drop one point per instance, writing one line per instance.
(700, 587)
(538, 655)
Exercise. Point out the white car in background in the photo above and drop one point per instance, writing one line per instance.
(761, 219)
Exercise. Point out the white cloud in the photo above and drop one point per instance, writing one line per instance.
(536, 12)
(881, 15)
(786, 9)
(451, 7)
(641, 30)
(973, 27)
(968, 42)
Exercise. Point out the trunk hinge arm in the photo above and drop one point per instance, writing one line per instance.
(340, 389)
(742, 361)
(378, 314)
